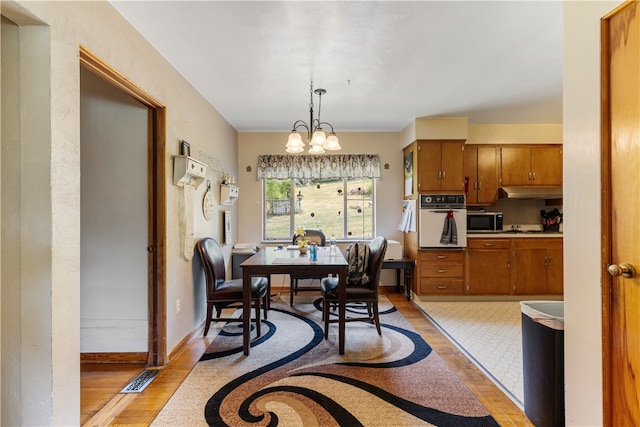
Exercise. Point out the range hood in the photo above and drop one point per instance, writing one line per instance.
(531, 192)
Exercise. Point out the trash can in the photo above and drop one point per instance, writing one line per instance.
(543, 361)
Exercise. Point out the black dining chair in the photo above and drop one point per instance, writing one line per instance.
(357, 293)
(222, 293)
(319, 238)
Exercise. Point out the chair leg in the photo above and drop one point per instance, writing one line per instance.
(376, 317)
(257, 308)
(265, 305)
(291, 288)
(208, 321)
(325, 316)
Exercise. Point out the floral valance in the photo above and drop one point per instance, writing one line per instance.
(309, 166)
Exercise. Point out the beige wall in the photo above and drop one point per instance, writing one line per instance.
(388, 191)
(51, 396)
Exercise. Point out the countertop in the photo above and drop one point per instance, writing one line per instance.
(515, 235)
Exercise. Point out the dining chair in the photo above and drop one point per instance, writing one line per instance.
(319, 238)
(357, 293)
(222, 293)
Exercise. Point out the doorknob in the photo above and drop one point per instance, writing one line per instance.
(624, 270)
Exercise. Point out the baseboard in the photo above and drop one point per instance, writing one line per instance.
(131, 357)
(185, 341)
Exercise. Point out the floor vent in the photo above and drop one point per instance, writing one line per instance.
(140, 382)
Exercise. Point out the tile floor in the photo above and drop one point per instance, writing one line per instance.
(489, 333)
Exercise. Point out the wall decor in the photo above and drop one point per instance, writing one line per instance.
(208, 203)
(185, 148)
(227, 227)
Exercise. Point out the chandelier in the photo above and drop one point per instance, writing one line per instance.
(316, 137)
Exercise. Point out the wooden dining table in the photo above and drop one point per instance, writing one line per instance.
(280, 260)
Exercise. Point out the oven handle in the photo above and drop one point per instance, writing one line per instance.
(445, 211)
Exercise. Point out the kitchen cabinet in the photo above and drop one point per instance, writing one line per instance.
(440, 165)
(531, 165)
(488, 267)
(537, 266)
(441, 272)
(481, 166)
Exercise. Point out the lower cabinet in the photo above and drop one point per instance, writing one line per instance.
(493, 266)
(488, 267)
(441, 272)
(537, 266)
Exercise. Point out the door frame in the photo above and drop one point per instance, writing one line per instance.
(157, 291)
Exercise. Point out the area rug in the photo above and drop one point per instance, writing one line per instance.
(294, 377)
(489, 333)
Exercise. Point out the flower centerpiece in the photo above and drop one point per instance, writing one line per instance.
(301, 240)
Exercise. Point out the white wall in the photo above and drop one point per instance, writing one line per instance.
(582, 263)
(114, 219)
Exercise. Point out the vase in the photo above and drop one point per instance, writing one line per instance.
(303, 250)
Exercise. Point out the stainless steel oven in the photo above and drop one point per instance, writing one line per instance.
(443, 221)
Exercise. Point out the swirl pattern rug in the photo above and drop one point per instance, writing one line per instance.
(293, 377)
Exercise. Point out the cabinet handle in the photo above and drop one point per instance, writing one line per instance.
(488, 244)
(442, 286)
(439, 174)
(444, 174)
(533, 174)
(475, 185)
(442, 257)
(442, 270)
(479, 185)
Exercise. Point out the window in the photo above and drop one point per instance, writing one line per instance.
(343, 207)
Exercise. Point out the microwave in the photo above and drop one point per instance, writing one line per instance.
(484, 222)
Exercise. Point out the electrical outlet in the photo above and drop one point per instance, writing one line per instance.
(178, 306)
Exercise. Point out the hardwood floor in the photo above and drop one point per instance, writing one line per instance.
(101, 405)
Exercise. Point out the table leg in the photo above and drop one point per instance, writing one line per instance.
(408, 274)
(246, 310)
(342, 310)
(398, 279)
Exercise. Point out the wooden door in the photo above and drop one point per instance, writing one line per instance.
(488, 175)
(429, 162)
(516, 163)
(555, 278)
(546, 165)
(621, 213)
(451, 166)
(488, 267)
(529, 269)
(470, 170)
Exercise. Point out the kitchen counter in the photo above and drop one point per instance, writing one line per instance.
(515, 235)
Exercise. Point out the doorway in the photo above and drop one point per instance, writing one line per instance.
(153, 250)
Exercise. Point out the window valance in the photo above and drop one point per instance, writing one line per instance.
(308, 166)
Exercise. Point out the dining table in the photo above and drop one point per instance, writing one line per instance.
(288, 260)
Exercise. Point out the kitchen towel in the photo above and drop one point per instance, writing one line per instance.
(449, 230)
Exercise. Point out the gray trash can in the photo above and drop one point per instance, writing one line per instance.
(543, 361)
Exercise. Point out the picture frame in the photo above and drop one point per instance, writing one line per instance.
(185, 148)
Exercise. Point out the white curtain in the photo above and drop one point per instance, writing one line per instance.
(308, 166)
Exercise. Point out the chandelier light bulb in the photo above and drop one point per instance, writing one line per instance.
(332, 143)
(319, 137)
(316, 149)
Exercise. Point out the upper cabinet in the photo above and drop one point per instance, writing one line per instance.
(440, 165)
(481, 166)
(531, 165)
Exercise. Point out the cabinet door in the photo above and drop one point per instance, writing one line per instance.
(488, 272)
(546, 165)
(470, 170)
(488, 176)
(429, 162)
(452, 178)
(530, 271)
(516, 165)
(554, 268)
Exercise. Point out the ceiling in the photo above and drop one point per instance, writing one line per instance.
(383, 64)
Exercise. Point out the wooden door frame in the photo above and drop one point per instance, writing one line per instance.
(157, 291)
(606, 209)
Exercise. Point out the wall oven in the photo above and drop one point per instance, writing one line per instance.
(443, 221)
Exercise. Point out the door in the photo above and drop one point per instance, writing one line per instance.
(620, 213)
(432, 223)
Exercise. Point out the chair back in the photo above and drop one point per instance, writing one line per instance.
(316, 236)
(212, 260)
(378, 248)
